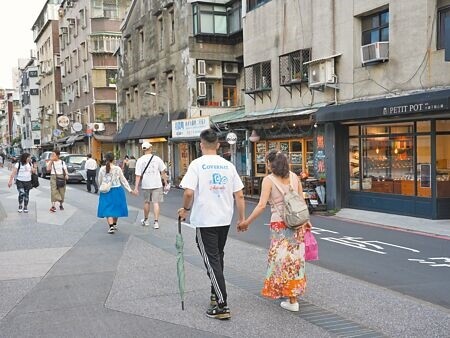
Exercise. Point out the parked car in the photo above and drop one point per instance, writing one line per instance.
(43, 161)
(74, 163)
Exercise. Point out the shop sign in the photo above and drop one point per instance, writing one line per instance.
(319, 156)
(189, 127)
(231, 138)
(415, 108)
(63, 121)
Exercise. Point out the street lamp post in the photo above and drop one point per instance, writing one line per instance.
(169, 152)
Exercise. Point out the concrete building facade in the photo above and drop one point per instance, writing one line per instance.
(372, 101)
(45, 33)
(181, 64)
(89, 35)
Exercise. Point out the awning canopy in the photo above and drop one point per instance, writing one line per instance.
(273, 115)
(74, 138)
(228, 117)
(122, 136)
(104, 138)
(424, 102)
(138, 127)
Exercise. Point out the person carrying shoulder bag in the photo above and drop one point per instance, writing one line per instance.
(21, 172)
(58, 178)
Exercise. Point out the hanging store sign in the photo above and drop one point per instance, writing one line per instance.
(189, 127)
(63, 121)
(231, 138)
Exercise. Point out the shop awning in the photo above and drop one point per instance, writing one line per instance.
(62, 140)
(74, 138)
(159, 126)
(415, 103)
(138, 127)
(122, 136)
(228, 117)
(104, 138)
(271, 115)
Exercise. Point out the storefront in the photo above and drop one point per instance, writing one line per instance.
(397, 154)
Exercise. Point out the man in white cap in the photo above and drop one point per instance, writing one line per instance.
(152, 170)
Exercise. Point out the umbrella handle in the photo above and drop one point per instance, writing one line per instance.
(179, 224)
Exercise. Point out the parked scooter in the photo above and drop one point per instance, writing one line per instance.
(313, 193)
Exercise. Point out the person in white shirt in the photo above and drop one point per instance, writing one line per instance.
(22, 173)
(152, 170)
(91, 173)
(57, 167)
(211, 186)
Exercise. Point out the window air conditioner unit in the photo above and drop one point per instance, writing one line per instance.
(201, 67)
(230, 68)
(97, 126)
(69, 3)
(321, 73)
(375, 52)
(201, 89)
(213, 70)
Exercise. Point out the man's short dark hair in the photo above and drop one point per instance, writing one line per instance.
(88, 155)
(209, 136)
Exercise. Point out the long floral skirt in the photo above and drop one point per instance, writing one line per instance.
(286, 263)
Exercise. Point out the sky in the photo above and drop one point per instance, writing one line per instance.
(16, 37)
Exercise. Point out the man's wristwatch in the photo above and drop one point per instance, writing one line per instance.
(187, 209)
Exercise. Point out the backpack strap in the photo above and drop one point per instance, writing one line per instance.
(282, 193)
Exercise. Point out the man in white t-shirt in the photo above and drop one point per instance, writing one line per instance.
(152, 170)
(212, 185)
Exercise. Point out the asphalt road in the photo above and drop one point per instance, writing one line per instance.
(412, 264)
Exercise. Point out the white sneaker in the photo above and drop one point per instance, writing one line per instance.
(155, 225)
(290, 307)
(145, 222)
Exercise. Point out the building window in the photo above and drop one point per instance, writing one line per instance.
(85, 83)
(210, 19)
(234, 18)
(141, 45)
(105, 9)
(292, 67)
(172, 26)
(84, 51)
(83, 21)
(252, 4)
(153, 98)
(391, 158)
(104, 43)
(77, 89)
(136, 101)
(161, 32)
(111, 77)
(258, 77)
(375, 28)
(443, 13)
(76, 58)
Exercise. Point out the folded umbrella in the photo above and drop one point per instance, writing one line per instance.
(179, 244)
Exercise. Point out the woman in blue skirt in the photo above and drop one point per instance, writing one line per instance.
(112, 202)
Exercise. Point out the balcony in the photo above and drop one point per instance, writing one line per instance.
(105, 95)
(105, 25)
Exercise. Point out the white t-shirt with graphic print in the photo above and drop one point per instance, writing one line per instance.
(214, 181)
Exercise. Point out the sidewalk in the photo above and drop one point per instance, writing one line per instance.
(435, 227)
(62, 275)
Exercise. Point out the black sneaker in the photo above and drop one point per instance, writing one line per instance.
(212, 301)
(217, 312)
(19, 209)
(25, 209)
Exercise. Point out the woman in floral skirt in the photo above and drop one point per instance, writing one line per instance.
(113, 203)
(285, 276)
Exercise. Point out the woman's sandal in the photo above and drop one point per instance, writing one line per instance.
(52, 209)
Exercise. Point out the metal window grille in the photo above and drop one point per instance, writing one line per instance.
(292, 67)
(258, 77)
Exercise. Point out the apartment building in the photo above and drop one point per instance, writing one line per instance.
(89, 35)
(181, 67)
(29, 113)
(373, 87)
(45, 34)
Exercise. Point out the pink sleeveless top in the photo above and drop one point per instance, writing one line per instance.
(276, 197)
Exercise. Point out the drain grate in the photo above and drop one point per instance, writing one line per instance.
(311, 313)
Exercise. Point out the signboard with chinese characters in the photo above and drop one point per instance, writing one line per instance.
(319, 154)
(189, 127)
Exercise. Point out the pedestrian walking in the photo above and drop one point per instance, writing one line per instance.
(58, 178)
(132, 169)
(21, 173)
(112, 202)
(91, 173)
(285, 276)
(211, 186)
(1, 160)
(125, 168)
(152, 170)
